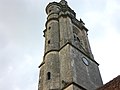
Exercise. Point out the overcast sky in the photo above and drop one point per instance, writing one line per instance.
(22, 44)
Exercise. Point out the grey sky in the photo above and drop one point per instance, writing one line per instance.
(22, 44)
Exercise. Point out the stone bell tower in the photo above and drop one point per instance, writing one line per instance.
(68, 63)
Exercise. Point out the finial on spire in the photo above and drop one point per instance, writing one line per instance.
(63, 2)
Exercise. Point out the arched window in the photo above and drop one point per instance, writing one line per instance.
(48, 76)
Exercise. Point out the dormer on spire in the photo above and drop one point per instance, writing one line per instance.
(63, 2)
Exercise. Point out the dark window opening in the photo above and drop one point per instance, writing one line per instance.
(49, 11)
(78, 39)
(49, 28)
(48, 41)
(48, 76)
(74, 37)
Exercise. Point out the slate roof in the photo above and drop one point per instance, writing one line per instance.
(111, 85)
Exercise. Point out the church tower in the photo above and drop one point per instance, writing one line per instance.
(68, 63)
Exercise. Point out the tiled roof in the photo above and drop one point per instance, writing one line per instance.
(111, 85)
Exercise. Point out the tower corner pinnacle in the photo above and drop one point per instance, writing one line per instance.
(63, 2)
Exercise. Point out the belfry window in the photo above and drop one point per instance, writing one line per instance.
(78, 39)
(75, 37)
(48, 76)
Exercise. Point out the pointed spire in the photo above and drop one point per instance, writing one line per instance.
(63, 2)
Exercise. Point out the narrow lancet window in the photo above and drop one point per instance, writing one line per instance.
(48, 76)
(48, 41)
